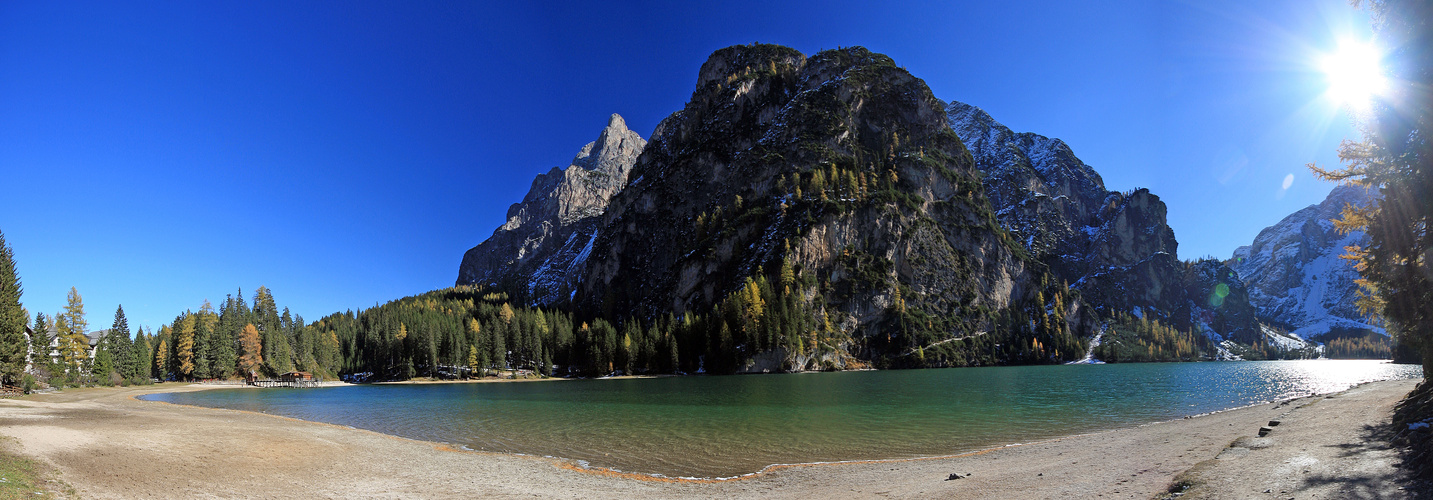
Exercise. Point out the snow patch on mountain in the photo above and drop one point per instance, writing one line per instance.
(1295, 275)
(1287, 341)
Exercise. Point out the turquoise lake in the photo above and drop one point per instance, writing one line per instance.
(721, 426)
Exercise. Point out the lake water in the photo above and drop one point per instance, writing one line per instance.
(732, 425)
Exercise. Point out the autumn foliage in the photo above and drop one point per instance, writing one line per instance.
(250, 357)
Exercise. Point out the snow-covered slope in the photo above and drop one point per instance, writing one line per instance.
(1287, 341)
(1295, 276)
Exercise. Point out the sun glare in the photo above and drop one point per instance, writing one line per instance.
(1354, 74)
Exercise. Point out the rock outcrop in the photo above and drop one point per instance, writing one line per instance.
(536, 254)
(843, 166)
(1116, 248)
(1295, 276)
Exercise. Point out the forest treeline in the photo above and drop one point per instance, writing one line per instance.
(770, 323)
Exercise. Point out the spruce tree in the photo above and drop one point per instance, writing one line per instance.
(103, 365)
(143, 353)
(118, 344)
(201, 348)
(276, 351)
(497, 345)
(12, 318)
(225, 361)
(40, 341)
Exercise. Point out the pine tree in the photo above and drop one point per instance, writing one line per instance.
(12, 318)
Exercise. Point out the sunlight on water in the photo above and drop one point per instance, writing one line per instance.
(726, 426)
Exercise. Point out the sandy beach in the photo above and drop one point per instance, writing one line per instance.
(104, 443)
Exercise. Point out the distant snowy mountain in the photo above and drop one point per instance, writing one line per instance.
(1295, 276)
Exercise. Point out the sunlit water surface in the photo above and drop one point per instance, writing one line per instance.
(732, 425)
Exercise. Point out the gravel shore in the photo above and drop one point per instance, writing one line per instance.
(107, 444)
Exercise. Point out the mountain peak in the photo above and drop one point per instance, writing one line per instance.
(615, 147)
(561, 208)
(1296, 276)
(615, 122)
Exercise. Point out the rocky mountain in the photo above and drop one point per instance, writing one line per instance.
(816, 212)
(841, 166)
(536, 254)
(1295, 277)
(1116, 248)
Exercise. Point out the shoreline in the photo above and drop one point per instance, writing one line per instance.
(61, 428)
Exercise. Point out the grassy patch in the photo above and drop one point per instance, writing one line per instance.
(21, 477)
(1189, 481)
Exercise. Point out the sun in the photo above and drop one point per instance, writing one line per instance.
(1354, 74)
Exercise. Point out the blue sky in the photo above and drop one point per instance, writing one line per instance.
(347, 153)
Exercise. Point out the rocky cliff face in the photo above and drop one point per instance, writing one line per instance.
(1295, 276)
(1115, 248)
(536, 253)
(842, 166)
(877, 222)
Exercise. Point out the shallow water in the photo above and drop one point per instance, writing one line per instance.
(732, 425)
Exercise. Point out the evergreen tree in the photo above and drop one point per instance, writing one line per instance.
(203, 328)
(12, 318)
(143, 353)
(276, 352)
(40, 341)
(497, 345)
(103, 367)
(118, 344)
(482, 351)
(225, 359)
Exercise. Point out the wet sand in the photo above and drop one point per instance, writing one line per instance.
(107, 444)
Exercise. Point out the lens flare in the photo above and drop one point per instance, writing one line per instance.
(1354, 74)
(1216, 299)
